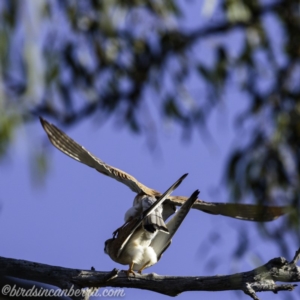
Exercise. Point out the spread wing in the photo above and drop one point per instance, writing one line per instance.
(162, 240)
(69, 147)
(149, 210)
(249, 212)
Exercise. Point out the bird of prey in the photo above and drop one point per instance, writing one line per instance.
(71, 148)
(139, 248)
(153, 221)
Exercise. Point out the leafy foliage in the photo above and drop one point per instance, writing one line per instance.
(69, 60)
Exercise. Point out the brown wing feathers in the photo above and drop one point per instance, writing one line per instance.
(234, 210)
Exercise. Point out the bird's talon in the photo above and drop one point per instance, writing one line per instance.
(130, 272)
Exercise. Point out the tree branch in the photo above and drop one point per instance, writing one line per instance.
(171, 42)
(260, 279)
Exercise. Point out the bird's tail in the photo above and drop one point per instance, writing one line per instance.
(155, 222)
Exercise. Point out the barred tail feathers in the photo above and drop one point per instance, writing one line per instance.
(155, 222)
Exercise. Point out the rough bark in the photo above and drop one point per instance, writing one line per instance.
(263, 278)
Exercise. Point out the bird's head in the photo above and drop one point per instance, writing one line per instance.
(107, 246)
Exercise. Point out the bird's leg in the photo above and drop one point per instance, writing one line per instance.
(116, 232)
(120, 228)
(130, 270)
(143, 267)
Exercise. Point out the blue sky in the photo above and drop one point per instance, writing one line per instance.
(65, 220)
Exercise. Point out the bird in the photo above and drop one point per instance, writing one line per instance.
(248, 212)
(137, 247)
(152, 222)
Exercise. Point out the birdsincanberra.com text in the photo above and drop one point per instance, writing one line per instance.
(15, 291)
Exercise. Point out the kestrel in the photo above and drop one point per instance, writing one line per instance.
(152, 222)
(136, 246)
(71, 148)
